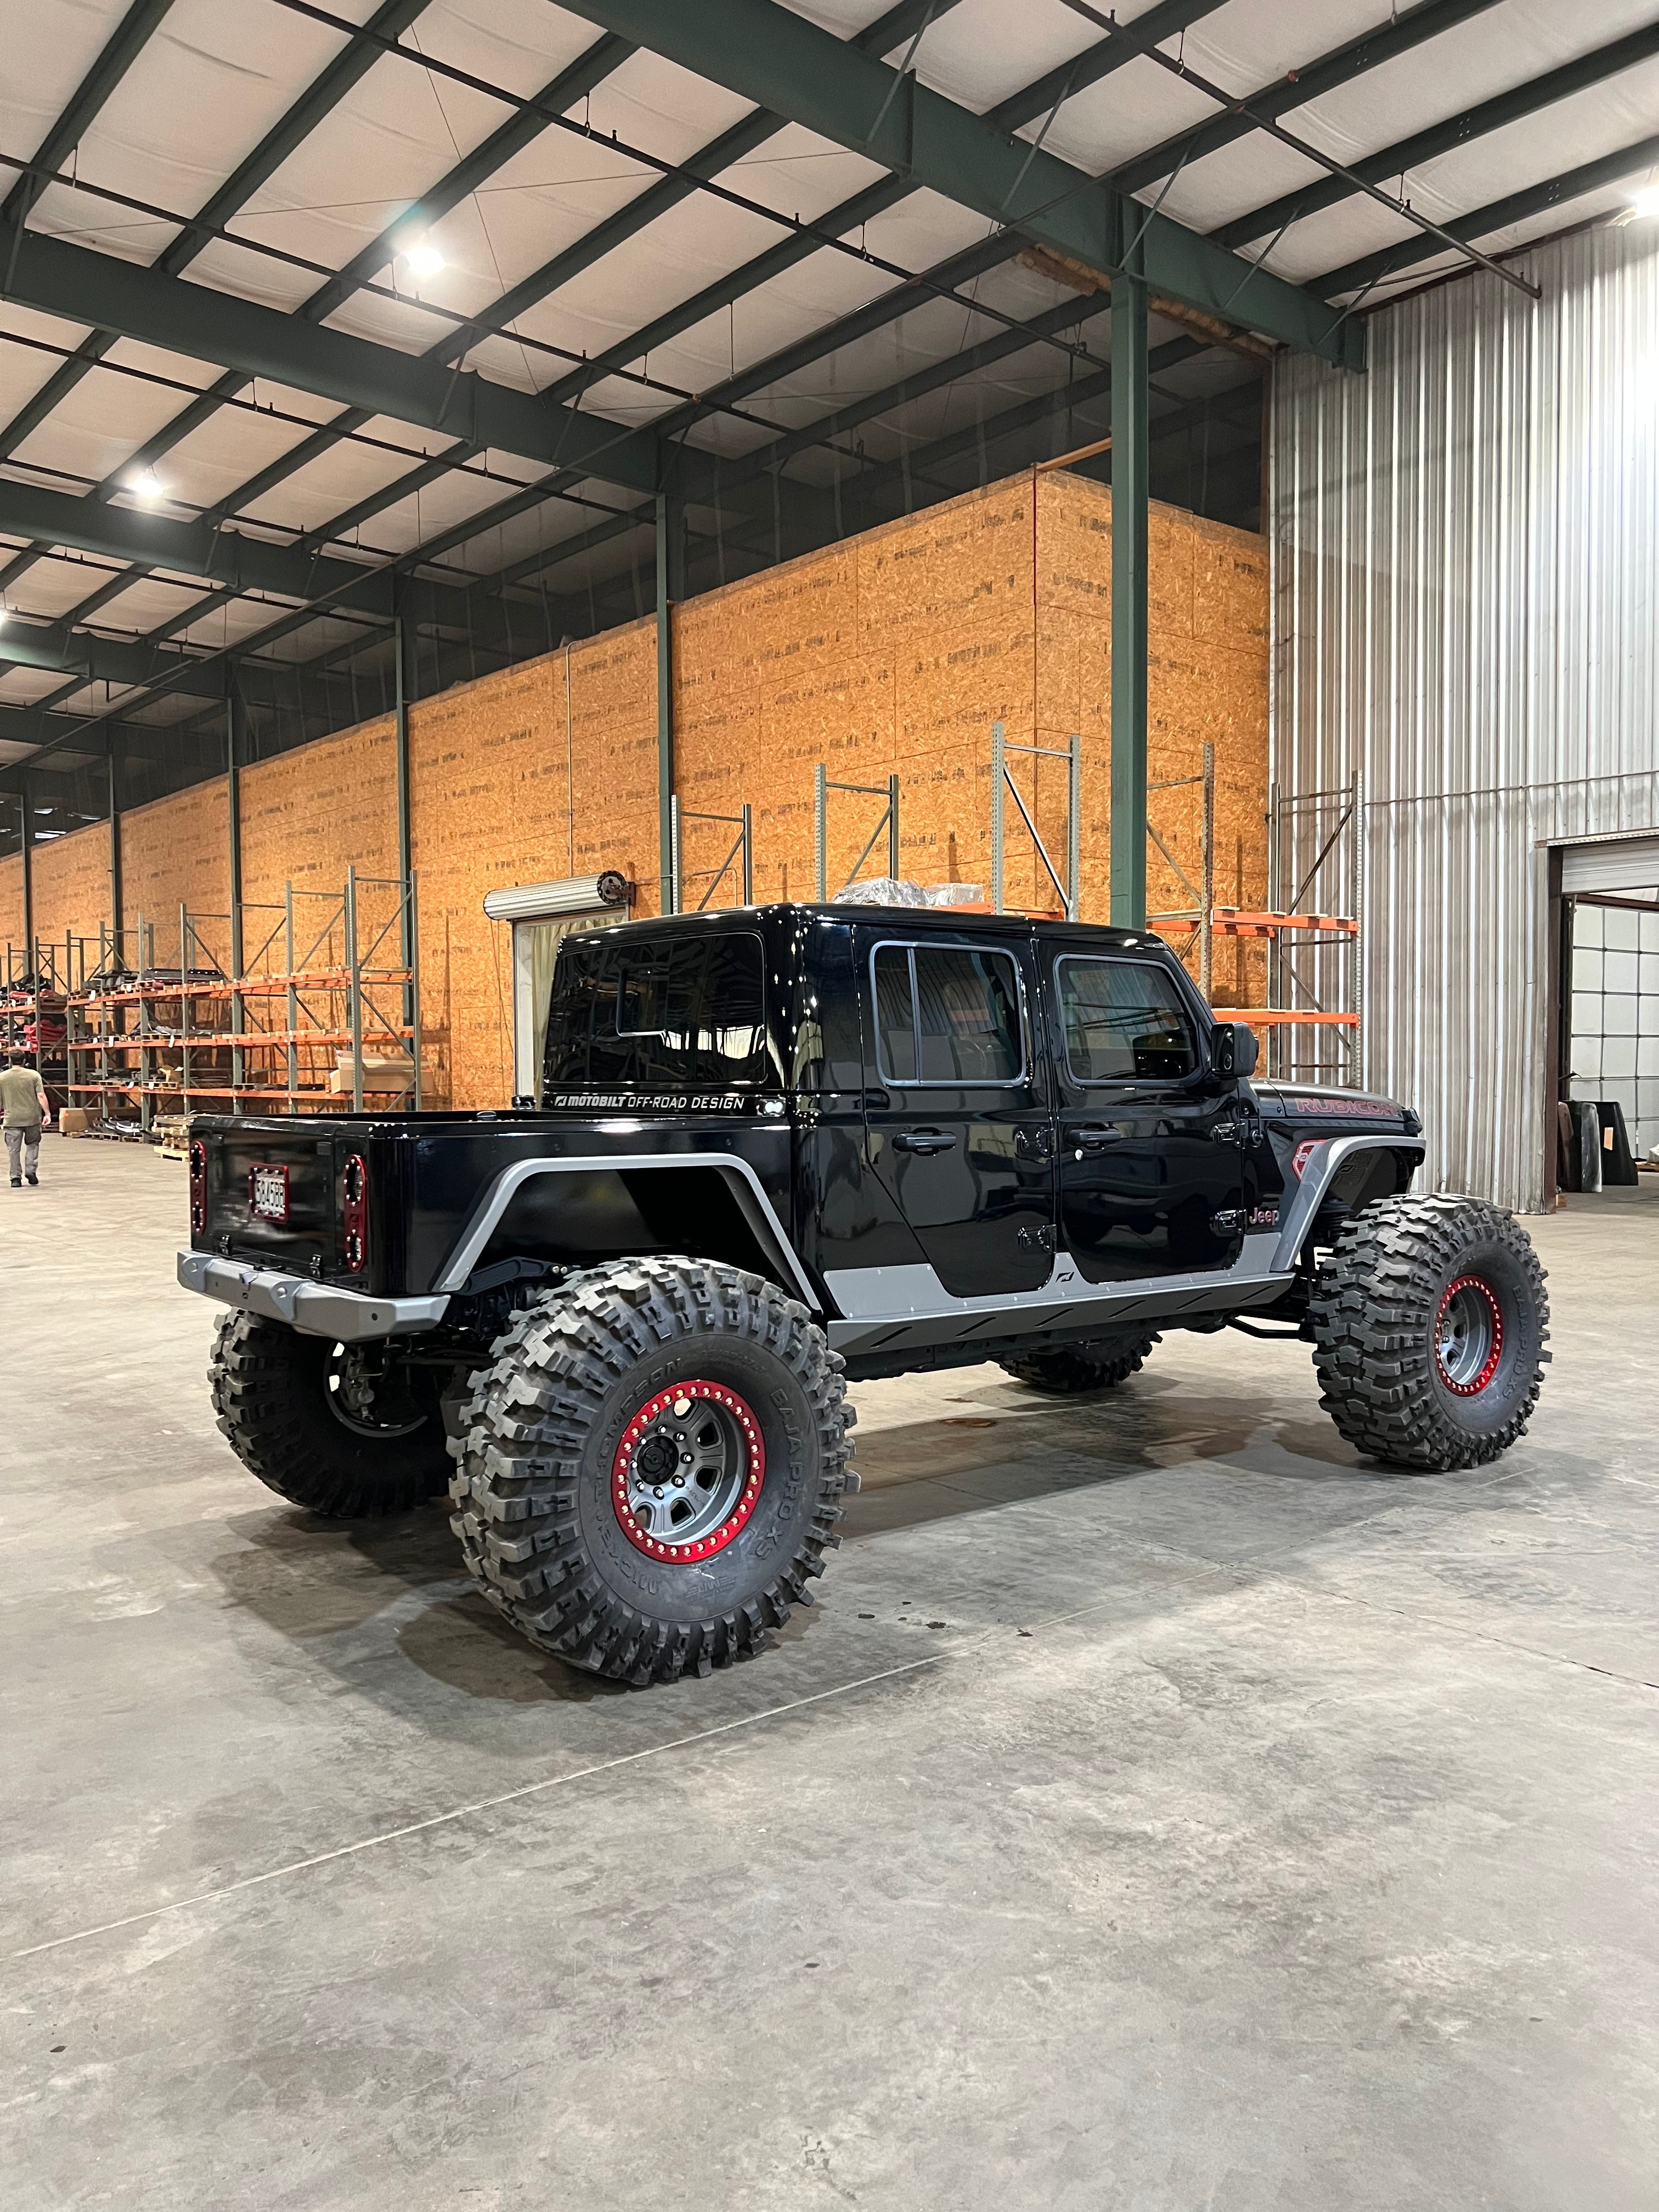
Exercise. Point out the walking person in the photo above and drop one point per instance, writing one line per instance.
(26, 1111)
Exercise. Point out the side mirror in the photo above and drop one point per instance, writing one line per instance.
(1232, 1048)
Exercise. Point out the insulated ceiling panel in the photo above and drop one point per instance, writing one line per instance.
(580, 256)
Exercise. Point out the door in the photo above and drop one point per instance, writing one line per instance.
(1150, 1170)
(957, 1117)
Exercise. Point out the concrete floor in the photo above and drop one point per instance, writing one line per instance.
(1161, 1810)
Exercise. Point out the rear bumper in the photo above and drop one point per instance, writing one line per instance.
(313, 1308)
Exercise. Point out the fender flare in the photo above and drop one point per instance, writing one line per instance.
(739, 1176)
(1317, 1177)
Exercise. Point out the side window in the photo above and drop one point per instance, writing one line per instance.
(945, 1014)
(1124, 1022)
(896, 1014)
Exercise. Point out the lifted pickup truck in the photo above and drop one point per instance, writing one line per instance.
(782, 1147)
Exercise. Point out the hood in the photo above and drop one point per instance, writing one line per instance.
(1315, 1103)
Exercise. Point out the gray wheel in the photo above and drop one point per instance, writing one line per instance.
(1430, 1319)
(1099, 1364)
(651, 1468)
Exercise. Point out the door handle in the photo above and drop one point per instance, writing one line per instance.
(1095, 1136)
(925, 1141)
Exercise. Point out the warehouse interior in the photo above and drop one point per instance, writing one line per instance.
(476, 472)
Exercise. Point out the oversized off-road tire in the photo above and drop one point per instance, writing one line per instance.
(651, 1467)
(1096, 1365)
(1429, 1321)
(278, 1397)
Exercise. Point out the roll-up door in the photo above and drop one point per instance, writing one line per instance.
(1610, 864)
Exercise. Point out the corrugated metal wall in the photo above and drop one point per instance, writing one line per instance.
(1466, 547)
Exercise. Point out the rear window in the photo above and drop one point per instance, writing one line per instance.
(944, 1015)
(673, 1013)
(1124, 1022)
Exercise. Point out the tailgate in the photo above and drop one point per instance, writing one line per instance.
(271, 1196)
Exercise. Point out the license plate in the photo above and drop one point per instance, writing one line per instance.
(267, 1193)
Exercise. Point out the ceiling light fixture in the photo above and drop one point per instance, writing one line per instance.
(1646, 204)
(422, 258)
(147, 487)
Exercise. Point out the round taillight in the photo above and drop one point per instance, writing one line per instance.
(354, 1212)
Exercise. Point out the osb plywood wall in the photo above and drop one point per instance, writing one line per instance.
(897, 652)
(518, 779)
(11, 900)
(175, 853)
(893, 652)
(310, 814)
(69, 878)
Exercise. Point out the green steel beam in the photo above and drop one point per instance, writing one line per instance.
(1518, 207)
(1025, 415)
(731, 146)
(1329, 74)
(1130, 411)
(901, 22)
(320, 99)
(1511, 107)
(520, 131)
(1066, 79)
(59, 278)
(117, 56)
(1025, 105)
(764, 52)
(100, 659)
(186, 549)
(29, 725)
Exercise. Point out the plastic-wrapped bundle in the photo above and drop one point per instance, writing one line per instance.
(888, 891)
(882, 890)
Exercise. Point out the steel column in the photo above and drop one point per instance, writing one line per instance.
(670, 586)
(408, 683)
(1130, 398)
(25, 809)
(115, 832)
(355, 1001)
(235, 754)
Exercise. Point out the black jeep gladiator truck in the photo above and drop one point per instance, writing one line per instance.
(783, 1148)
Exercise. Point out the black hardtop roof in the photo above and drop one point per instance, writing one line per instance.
(951, 921)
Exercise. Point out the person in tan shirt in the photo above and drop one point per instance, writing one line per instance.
(27, 1112)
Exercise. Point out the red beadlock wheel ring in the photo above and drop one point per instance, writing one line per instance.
(669, 1403)
(1483, 1291)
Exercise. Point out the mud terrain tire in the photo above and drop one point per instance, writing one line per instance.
(1099, 1365)
(566, 1520)
(1430, 1319)
(271, 1391)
